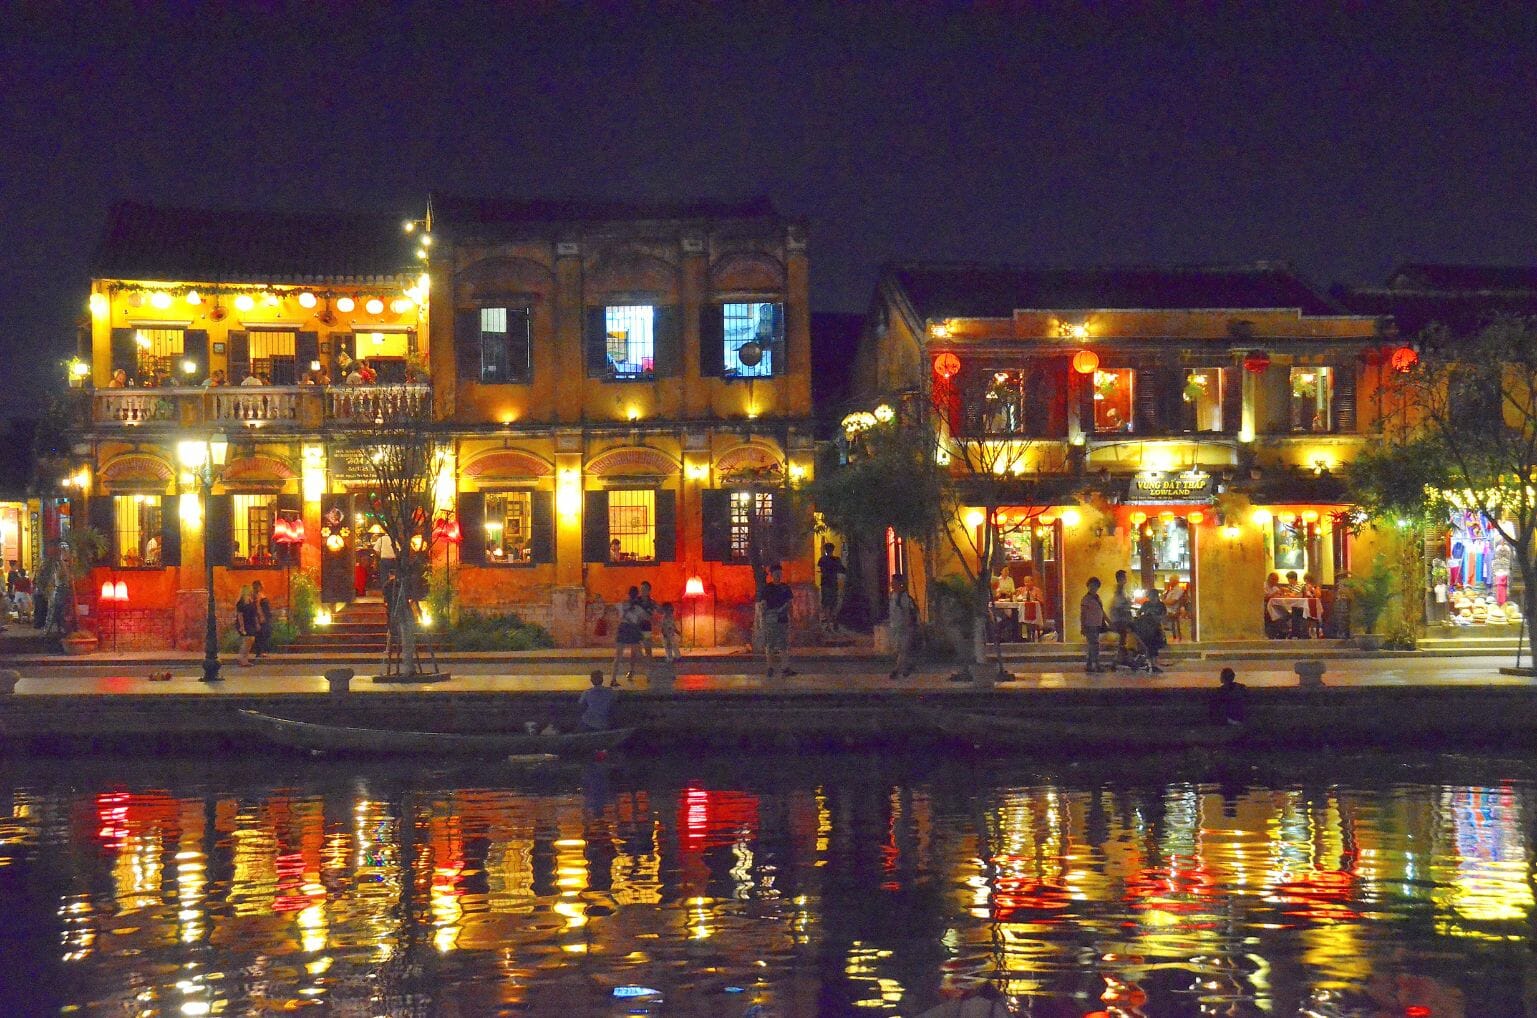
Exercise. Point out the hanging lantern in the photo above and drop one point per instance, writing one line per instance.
(1196, 518)
(1404, 359)
(947, 365)
(1256, 361)
(447, 529)
(1137, 519)
(1086, 362)
(288, 530)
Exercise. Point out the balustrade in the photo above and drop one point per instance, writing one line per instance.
(299, 406)
(378, 404)
(254, 404)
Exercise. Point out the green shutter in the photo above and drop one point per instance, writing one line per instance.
(239, 356)
(472, 527)
(596, 337)
(218, 529)
(125, 353)
(779, 356)
(306, 352)
(666, 526)
(715, 513)
(667, 341)
(595, 527)
(712, 341)
(341, 343)
(101, 518)
(1232, 399)
(170, 530)
(467, 344)
(544, 526)
(1343, 404)
(194, 347)
(520, 340)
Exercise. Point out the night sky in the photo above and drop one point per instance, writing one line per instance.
(1340, 143)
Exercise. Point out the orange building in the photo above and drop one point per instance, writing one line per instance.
(1182, 422)
(620, 389)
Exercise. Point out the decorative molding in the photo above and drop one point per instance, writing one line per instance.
(135, 469)
(632, 460)
(748, 457)
(257, 469)
(507, 463)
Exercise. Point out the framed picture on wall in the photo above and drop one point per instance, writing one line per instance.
(218, 348)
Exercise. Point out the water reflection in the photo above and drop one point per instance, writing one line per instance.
(845, 892)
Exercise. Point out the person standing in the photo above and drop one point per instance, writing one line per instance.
(627, 636)
(1174, 597)
(775, 601)
(902, 623)
(263, 619)
(648, 622)
(246, 624)
(1091, 619)
(384, 550)
(831, 569)
(669, 630)
(1120, 615)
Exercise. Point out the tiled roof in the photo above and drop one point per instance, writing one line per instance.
(220, 245)
(1463, 278)
(949, 290)
(451, 210)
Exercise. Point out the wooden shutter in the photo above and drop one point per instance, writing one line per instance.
(239, 356)
(125, 352)
(1085, 384)
(520, 329)
(712, 341)
(596, 337)
(543, 526)
(595, 527)
(779, 354)
(341, 343)
(472, 527)
(218, 529)
(1342, 408)
(170, 530)
(1046, 395)
(467, 345)
(1147, 406)
(715, 514)
(667, 341)
(100, 516)
(666, 526)
(1232, 400)
(306, 350)
(194, 347)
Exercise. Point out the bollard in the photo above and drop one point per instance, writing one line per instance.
(8, 679)
(1310, 674)
(339, 679)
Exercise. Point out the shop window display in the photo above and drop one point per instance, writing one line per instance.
(1113, 400)
(1470, 581)
(1162, 546)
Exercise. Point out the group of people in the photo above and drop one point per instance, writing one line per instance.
(1133, 630)
(253, 623)
(18, 594)
(641, 618)
(354, 372)
(1291, 621)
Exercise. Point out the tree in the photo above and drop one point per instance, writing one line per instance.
(1464, 436)
(407, 460)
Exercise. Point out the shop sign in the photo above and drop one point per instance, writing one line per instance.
(351, 462)
(1170, 487)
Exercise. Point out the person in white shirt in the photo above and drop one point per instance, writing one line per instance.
(252, 379)
(384, 549)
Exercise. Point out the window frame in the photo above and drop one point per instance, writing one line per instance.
(144, 354)
(116, 549)
(1324, 381)
(510, 311)
(757, 513)
(772, 350)
(651, 492)
(613, 375)
(1129, 425)
(527, 494)
(252, 332)
(274, 507)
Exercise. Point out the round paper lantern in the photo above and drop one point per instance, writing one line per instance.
(947, 365)
(1256, 361)
(1086, 362)
(1196, 517)
(1404, 359)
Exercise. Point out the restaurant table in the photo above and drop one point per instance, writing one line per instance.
(1280, 607)
(1021, 614)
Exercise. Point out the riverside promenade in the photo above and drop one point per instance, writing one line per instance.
(725, 703)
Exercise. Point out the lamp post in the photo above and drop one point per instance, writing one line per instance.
(205, 456)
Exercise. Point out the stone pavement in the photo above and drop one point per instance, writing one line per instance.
(740, 675)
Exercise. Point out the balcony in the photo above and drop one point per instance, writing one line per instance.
(282, 407)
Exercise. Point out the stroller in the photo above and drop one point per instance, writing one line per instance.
(1147, 637)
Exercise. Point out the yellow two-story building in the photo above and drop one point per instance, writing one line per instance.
(619, 391)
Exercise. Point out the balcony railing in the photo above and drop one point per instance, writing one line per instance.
(274, 406)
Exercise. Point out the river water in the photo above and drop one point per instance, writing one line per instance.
(770, 886)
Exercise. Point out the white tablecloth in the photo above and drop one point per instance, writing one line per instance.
(1280, 607)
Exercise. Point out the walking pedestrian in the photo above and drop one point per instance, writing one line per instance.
(1091, 619)
(1120, 616)
(628, 634)
(263, 619)
(648, 623)
(775, 600)
(902, 623)
(246, 624)
(669, 630)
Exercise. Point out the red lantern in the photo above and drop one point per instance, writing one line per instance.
(1404, 359)
(1256, 361)
(947, 365)
(447, 529)
(288, 530)
(1086, 362)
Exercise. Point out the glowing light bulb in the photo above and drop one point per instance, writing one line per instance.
(400, 305)
(193, 298)
(375, 306)
(160, 300)
(345, 304)
(244, 302)
(306, 299)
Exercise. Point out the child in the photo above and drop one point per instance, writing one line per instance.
(669, 628)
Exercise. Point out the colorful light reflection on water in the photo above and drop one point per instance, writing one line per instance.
(347, 891)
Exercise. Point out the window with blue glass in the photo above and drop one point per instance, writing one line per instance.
(753, 334)
(630, 332)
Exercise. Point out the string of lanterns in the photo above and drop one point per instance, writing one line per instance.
(245, 298)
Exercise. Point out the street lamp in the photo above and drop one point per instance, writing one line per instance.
(205, 457)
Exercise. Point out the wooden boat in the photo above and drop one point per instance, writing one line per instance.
(514, 745)
(1050, 735)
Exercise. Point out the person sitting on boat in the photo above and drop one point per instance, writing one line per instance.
(597, 703)
(1229, 704)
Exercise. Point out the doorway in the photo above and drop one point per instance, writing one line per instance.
(338, 544)
(1164, 546)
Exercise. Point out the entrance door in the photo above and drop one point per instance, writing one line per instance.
(1164, 546)
(336, 548)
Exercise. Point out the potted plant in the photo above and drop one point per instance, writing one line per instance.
(62, 571)
(1370, 596)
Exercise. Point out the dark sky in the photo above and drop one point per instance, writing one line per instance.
(1341, 142)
